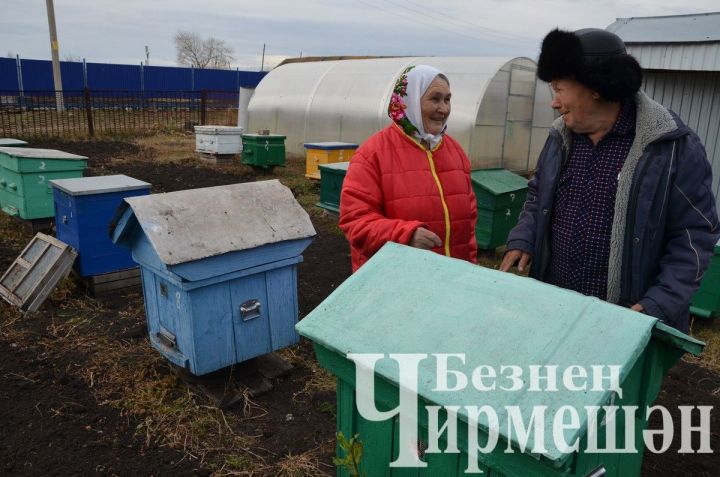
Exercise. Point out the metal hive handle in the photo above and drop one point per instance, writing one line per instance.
(250, 310)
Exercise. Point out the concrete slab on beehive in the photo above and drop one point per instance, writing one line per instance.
(194, 224)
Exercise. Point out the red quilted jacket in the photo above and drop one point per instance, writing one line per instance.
(394, 185)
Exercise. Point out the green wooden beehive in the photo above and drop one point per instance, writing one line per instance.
(706, 301)
(263, 150)
(406, 300)
(25, 175)
(500, 196)
(331, 181)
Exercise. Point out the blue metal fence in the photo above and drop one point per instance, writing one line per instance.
(8, 75)
(36, 75)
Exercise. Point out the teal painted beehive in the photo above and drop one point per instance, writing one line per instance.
(500, 197)
(407, 301)
(25, 175)
(331, 181)
(706, 301)
(219, 270)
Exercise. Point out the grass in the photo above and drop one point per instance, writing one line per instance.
(709, 332)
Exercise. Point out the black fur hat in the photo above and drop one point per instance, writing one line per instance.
(595, 58)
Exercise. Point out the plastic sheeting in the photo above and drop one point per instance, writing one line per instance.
(500, 114)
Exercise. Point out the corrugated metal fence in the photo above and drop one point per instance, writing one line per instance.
(18, 74)
(695, 97)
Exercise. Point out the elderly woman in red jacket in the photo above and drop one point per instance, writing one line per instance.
(410, 183)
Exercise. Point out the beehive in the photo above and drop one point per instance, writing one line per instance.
(263, 150)
(331, 181)
(219, 270)
(218, 139)
(319, 153)
(84, 208)
(25, 175)
(406, 300)
(706, 301)
(500, 197)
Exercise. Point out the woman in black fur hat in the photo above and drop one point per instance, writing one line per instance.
(620, 206)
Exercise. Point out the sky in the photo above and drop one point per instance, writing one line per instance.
(117, 31)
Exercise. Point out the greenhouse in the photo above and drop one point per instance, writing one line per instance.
(500, 113)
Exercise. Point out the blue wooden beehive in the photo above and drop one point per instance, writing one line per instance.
(219, 270)
(84, 208)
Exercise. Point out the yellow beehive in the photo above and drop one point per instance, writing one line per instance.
(317, 153)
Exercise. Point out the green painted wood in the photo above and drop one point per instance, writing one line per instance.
(486, 321)
(263, 151)
(500, 196)
(706, 301)
(25, 175)
(513, 465)
(498, 188)
(331, 181)
(493, 226)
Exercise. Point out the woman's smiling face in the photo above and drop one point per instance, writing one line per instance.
(435, 106)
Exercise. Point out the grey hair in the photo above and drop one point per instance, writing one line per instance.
(442, 75)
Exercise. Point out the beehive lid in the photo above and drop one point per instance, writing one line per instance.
(98, 185)
(330, 145)
(261, 136)
(498, 181)
(8, 142)
(34, 153)
(219, 130)
(340, 166)
(406, 300)
(33, 276)
(195, 224)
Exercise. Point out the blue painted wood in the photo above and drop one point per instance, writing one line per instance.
(222, 264)
(83, 222)
(199, 302)
(282, 286)
(252, 332)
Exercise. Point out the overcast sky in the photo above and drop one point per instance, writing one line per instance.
(117, 31)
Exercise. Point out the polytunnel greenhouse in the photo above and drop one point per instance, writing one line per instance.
(500, 113)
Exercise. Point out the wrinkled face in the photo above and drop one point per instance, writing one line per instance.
(435, 106)
(577, 104)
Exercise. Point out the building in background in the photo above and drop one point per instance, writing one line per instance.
(680, 57)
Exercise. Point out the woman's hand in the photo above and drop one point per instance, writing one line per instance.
(425, 239)
(512, 257)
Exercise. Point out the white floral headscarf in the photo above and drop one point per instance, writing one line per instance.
(405, 108)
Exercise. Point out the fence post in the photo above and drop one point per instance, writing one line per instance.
(203, 107)
(21, 87)
(88, 112)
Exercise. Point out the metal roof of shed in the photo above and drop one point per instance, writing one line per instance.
(672, 43)
(701, 27)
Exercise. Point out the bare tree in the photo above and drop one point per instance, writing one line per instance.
(194, 51)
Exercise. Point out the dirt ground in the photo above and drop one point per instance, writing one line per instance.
(83, 393)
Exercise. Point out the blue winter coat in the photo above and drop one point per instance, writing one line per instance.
(665, 223)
